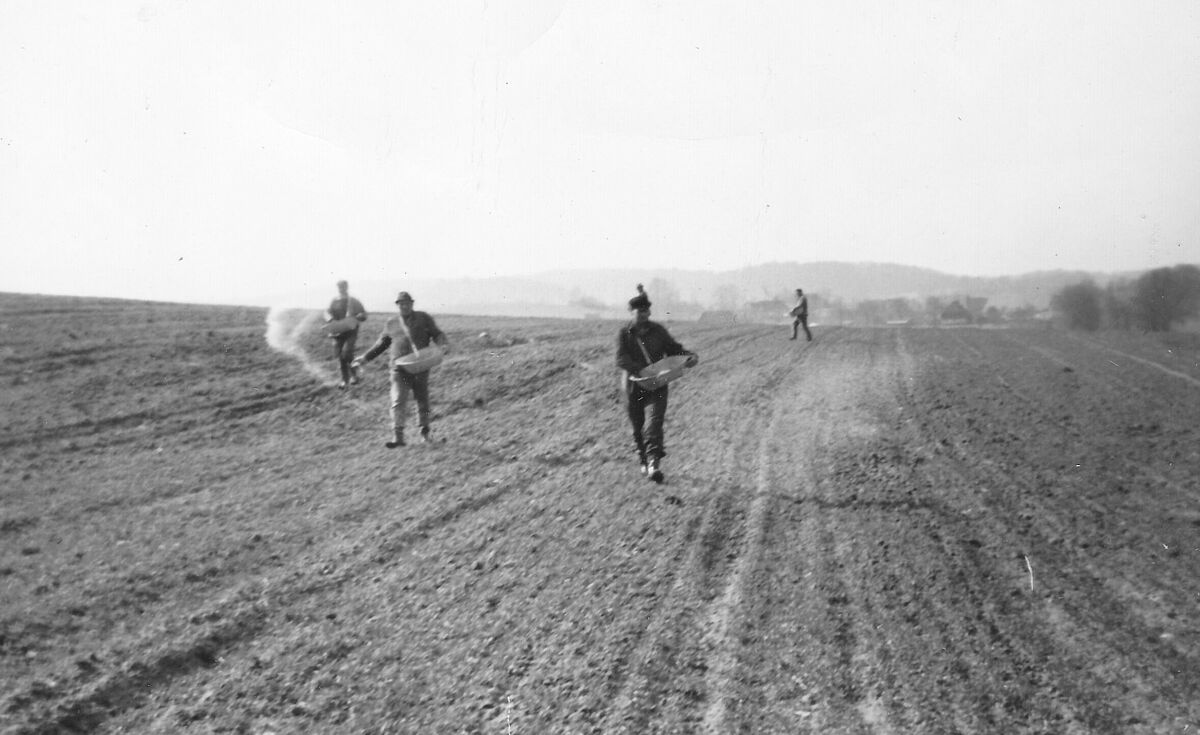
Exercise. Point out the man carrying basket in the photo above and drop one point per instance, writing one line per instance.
(799, 314)
(639, 344)
(410, 332)
(342, 318)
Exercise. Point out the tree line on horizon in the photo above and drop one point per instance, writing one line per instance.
(1155, 301)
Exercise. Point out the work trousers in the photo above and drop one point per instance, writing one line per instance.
(647, 413)
(402, 384)
(343, 351)
(801, 321)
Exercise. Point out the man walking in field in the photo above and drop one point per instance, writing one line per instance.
(411, 330)
(799, 315)
(639, 344)
(342, 318)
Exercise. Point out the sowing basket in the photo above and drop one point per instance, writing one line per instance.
(662, 372)
(422, 360)
(340, 326)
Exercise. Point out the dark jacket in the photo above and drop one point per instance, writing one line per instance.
(341, 308)
(800, 310)
(396, 333)
(652, 336)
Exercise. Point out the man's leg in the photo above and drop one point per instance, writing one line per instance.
(339, 354)
(656, 405)
(656, 415)
(346, 356)
(636, 408)
(806, 332)
(399, 391)
(795, 327)
(420, 390)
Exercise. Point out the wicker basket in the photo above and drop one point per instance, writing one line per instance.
(340, 326)
(660, 373)
(420, 361)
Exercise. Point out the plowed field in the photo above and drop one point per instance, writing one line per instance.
(881, 531)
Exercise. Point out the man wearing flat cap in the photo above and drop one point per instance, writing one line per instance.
(640, 343)
(401, 334)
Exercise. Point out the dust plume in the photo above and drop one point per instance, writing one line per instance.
(285, 329)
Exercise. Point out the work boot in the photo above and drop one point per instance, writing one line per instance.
(643, 461)
(425, 435)
(656, 474)
(397, 440)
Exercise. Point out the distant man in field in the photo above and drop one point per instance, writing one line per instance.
(343, 316)
(799, 315)
(411, 329)
(640, 343)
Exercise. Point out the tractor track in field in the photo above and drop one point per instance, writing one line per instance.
(724, 618)
(1179, 374)
(664, 631)
(694, 626)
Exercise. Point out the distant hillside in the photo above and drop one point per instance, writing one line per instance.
(604, 292)
(849, 282)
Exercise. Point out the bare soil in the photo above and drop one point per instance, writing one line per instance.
(881, 531)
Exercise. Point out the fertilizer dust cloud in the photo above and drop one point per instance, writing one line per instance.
(285, 330)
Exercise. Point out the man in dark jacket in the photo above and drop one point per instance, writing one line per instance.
(402, 333)
(799, 314)
(640, 343)
(344, 307)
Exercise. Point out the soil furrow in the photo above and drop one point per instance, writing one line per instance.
(682, 641)
(651, 682)
(724, 625)
(102, 429)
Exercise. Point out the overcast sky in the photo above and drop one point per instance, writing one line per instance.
(206, 151)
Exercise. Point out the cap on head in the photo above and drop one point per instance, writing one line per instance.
(404, 296)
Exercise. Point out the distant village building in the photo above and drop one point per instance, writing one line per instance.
(955, 313)
(975, 305)
(718, 316)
